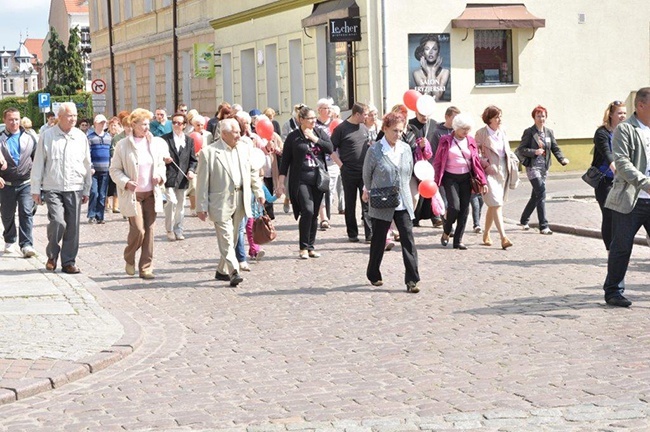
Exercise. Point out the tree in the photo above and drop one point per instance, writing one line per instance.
(65, 68)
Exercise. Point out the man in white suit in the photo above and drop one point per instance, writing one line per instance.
(225, 181)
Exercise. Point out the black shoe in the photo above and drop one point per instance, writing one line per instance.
(618, 300)
(412, 287)
(460, 246)
(221, 276)
(353, 239)
(236, 279)
(444, 240)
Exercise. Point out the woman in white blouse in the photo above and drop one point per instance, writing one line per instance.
(495, 158)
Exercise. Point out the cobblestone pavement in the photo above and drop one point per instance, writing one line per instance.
(497, 340)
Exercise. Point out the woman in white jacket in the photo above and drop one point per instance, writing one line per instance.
(138, 170)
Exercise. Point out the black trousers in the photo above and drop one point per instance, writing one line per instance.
(606, 227)
(309, 199)
(458, 190)
(353, 187)
(409, 253)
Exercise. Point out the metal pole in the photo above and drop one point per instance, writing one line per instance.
(111, 56)
(175, 54)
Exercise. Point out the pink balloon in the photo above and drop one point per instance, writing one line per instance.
(411, 99)
(427, 188)
(264, 128)
(333, 124)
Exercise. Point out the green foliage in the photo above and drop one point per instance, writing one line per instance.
(28, 106)
(65, 67)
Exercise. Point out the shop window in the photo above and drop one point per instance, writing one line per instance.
(493, 57)
(272, 76)
(339, 79)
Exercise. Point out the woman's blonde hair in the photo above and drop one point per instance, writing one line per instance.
(26, 123)
(139, 114)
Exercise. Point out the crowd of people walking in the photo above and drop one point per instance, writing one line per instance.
(233, 166)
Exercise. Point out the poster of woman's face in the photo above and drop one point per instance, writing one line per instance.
(429, 65)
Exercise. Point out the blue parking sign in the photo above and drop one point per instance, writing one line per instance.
(43, 100)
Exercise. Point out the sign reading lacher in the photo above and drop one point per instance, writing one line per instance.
(345, 30)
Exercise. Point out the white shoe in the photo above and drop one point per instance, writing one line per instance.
(243, 266)
(180, 236)
(28, 252)
(546, 231)
(526, 227)
(10, 247)
(171, 236)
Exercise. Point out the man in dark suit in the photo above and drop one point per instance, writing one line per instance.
(181, 166)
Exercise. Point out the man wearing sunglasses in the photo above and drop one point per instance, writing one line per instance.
(181, 166)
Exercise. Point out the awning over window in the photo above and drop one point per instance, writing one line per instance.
(332, 9)
(497, 16)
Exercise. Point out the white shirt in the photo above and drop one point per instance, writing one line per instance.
(232, 155)
(179, 141)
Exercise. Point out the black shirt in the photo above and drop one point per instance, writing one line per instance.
(351, 141)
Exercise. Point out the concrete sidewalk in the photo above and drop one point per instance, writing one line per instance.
(57, 328)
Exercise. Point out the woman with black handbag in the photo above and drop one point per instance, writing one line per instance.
(387, 171)
(304, 153)
(603, 163)
(458, 169)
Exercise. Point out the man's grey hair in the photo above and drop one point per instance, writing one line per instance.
(325, 102)
(67, 107)
(226, 125)
(642, 95)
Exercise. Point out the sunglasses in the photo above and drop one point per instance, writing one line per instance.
(616, 103)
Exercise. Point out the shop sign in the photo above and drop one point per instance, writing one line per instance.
(345, 30)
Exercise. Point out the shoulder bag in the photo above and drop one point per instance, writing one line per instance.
(593, 177)
(385, 197)
(322, 176)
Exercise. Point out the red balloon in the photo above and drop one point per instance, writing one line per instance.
(264, 128)
(198, 141)
(427, 188)
(411, 98)
(333, 124)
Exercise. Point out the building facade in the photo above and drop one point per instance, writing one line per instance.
(19, 71)
(571, 57)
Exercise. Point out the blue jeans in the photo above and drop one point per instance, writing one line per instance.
(97, 199)
(21, 197)
(537, 200)
(240, 248)
(625, 227)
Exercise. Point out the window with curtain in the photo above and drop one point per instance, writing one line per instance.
(493, 57)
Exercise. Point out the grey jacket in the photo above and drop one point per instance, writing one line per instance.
(22, 171)
(379, 171)
(631, 162)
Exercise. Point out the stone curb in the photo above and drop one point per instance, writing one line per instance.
(13, 390)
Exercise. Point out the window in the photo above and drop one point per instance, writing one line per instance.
(152, 84)
(296, 73)
(272, 76)
(128, 9)
(95, 17)
(116, 12)
(5, 63)
(226, 70)
(339, 79)
(186, 76)
(493, 57)
(104, 13)
(5, 85)
(134, 86)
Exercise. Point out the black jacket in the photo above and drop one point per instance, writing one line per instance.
(186, 161)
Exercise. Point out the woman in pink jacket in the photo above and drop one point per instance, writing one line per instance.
(456, 163)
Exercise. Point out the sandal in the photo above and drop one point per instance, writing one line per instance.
(324, 225)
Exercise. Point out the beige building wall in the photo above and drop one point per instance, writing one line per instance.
(146, 39)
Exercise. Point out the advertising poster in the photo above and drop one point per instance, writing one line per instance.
(430, 64)
(203, 60)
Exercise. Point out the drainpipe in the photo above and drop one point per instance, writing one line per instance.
(175, 56)
(384, 60)
(111, 56)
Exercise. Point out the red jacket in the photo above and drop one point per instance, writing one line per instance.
(442, 153)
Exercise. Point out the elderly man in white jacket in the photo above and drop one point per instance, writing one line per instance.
(61, 175)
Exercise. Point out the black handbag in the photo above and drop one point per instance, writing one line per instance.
(593, 177)
(322, 176)
(385, 197)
